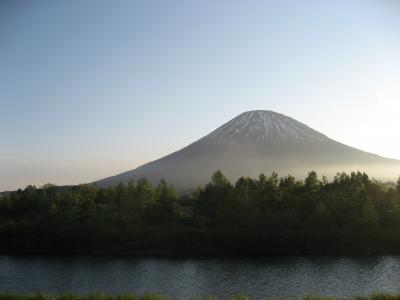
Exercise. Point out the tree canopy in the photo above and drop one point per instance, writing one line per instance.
(270, 214)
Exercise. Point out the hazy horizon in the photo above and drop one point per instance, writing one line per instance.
(91, 89)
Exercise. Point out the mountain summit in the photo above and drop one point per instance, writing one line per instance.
(258, 142)
(265, 127)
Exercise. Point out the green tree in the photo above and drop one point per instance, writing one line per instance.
(219, 180)
(312, 182)
(273, 181)
(369, 215)
(213, 199)
(398, 185)
(166, 207)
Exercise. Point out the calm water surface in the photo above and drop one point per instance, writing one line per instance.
(289, 276)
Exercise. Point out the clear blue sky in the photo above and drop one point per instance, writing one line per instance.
(89, 89)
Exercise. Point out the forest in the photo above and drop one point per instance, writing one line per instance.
(271, 215)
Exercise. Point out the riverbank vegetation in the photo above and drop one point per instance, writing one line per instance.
(377, 296)
(265, 216)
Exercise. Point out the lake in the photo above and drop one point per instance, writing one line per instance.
(186, 277)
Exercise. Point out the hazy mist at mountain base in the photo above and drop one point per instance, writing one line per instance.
(258, 142)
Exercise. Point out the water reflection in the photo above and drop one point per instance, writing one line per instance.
(286, 276)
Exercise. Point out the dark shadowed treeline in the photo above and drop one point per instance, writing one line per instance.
(270, 215)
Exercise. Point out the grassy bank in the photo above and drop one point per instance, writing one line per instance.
(376, 296)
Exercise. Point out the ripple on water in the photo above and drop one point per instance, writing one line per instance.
(285, 276)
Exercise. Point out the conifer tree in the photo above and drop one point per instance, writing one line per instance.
(398, 185)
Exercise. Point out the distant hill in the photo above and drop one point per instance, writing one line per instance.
(258, 142)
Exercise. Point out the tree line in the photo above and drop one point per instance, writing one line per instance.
(270, 215)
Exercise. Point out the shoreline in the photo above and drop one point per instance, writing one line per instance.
(152, 296)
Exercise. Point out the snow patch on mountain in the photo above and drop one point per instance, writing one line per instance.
(264, 127)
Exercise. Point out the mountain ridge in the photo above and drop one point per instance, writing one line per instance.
(255, 142)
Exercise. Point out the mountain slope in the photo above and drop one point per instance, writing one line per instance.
(258, 142)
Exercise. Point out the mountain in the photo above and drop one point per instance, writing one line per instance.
(258, 142)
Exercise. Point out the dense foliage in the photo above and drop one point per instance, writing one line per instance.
(270, 215)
